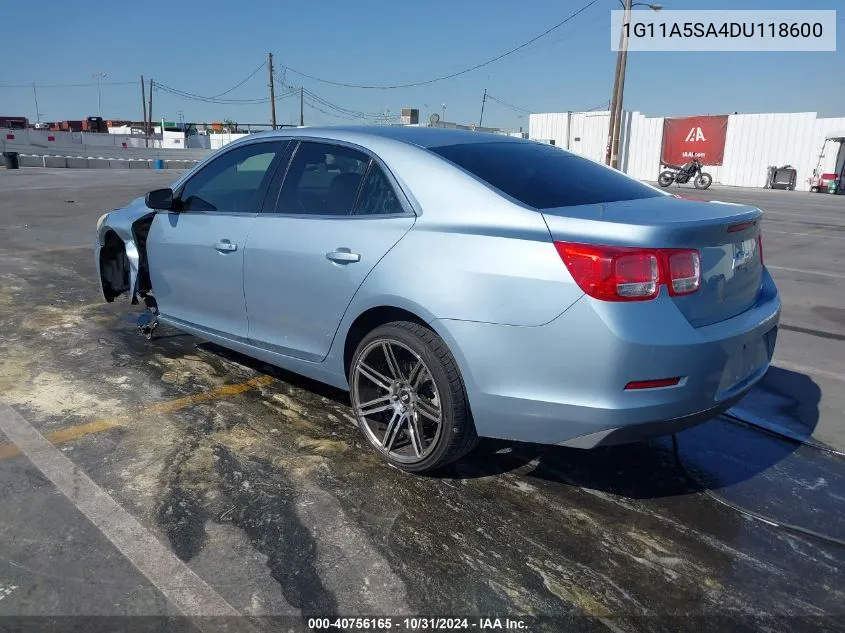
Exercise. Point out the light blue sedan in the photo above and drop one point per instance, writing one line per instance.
(458, 284)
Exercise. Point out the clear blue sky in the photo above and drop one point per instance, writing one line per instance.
(205, 47)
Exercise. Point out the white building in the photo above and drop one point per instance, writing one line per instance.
(753, 143)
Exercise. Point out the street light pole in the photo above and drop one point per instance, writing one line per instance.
(37, 112)
(98, 76)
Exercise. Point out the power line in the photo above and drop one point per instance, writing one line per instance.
(235, 87)
(599, 22)
(314, 97)
(372, 117)
(604, 104)
(195, 97)
(88, 85)
(354, 113)
(311, 104)
(314, 100)
(508, 105)
(452, 75)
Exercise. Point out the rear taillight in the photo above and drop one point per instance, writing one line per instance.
(684, 271)
(616, 273)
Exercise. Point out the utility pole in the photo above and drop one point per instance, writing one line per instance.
(483, 101)
(620, 88)
(301, 106)
(144, 108)
(613, 101)
(619, 81)
(272, 91)
(35, 94)
(150, 112)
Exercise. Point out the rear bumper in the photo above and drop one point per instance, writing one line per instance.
(643, 430)
(563, 382)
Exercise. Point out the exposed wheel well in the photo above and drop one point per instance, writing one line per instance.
(367, 322)
(114, 267)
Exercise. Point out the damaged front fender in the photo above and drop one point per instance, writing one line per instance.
(117, 257)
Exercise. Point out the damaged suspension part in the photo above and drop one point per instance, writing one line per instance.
(148, 321)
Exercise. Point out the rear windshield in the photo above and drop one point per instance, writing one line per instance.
(543, 176)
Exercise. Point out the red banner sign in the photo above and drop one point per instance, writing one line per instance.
(701, 137)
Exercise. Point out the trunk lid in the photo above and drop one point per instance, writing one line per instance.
(725, 234)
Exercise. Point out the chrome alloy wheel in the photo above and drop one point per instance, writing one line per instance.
(396, 401)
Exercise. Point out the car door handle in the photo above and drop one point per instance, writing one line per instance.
(225, 246)
(343, 256)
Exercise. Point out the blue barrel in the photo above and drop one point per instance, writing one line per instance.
(158, 164)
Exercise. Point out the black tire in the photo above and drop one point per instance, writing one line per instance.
(703, 180)
(665, 178)
(457, 435)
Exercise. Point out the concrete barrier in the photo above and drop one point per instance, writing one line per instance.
(21, 145)
(28, 160)
(55, 161)
(99, 162)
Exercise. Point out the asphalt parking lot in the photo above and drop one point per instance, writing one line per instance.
(151, 479)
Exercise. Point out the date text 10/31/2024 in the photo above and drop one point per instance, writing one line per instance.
(419, 624)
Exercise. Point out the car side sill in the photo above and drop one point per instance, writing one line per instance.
(315, 371)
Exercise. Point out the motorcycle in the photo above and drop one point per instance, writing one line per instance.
(682, 174)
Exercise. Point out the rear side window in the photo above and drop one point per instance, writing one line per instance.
(377, 196)
(542, 176)
(322, 179)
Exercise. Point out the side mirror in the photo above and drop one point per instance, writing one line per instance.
(161, 199)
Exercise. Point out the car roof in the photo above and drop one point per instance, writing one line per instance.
(426, 137)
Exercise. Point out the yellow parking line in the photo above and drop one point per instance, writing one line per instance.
(211, 394)
(8, 450)
(80, 430)
(73, 432)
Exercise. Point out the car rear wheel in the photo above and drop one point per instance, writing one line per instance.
(409, 398)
